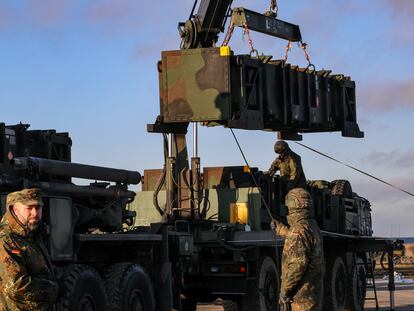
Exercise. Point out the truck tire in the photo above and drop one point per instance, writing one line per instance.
(83, 290)
(129, 288)
(357, 287)
(263, 292)
(335, 285)
(342, 187)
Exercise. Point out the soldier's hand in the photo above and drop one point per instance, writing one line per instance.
(285, 307)
(284, 303)
(273, 224)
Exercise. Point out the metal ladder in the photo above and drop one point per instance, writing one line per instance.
(371, 280)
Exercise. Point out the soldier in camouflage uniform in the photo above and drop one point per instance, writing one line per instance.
(26, 275)
(302, 259)
(290, 166)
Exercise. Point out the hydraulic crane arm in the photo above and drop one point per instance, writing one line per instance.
(202, 29)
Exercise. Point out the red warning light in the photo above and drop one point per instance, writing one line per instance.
(242, 269)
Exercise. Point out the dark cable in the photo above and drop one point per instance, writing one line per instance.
(192, 11)
(355, 169)
(211, 22)
(277, 257)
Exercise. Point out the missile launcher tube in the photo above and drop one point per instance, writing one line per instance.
(60, 168)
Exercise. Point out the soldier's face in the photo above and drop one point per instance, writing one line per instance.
(29, 215)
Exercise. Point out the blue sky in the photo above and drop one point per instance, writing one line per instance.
(89, 68)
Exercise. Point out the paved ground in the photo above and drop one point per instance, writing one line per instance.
(404, 299)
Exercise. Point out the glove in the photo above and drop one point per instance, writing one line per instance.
(273, 224)
(284, 303)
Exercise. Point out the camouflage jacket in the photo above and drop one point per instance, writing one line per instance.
(302, 264)
(290, 167)
(26, 275)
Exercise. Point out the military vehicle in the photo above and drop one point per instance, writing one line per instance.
(196, 235)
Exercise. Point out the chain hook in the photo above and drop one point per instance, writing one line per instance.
(254, 51)
(303, 46)
(229, 33)
(274, 8)
(288, 48)
(249, 39)
(311, 67)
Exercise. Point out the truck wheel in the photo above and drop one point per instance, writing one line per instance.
(263, 293)
(335, 285)
(129, 288)
(83, 290)
(342, 187)
(357, 290)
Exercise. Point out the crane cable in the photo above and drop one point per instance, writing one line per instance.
(272, 217)
(355, 169)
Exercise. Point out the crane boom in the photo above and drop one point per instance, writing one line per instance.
(202, 29)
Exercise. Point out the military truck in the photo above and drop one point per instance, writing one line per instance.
(117, 253)
(196, 235)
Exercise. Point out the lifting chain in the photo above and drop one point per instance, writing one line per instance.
(288, 48)
(249, 40)
(229, 33)
(303, 47)
(246, 31)
(275, 9)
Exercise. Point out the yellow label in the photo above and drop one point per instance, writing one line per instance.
(239, 212)
(225, 51)
(246, 169)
